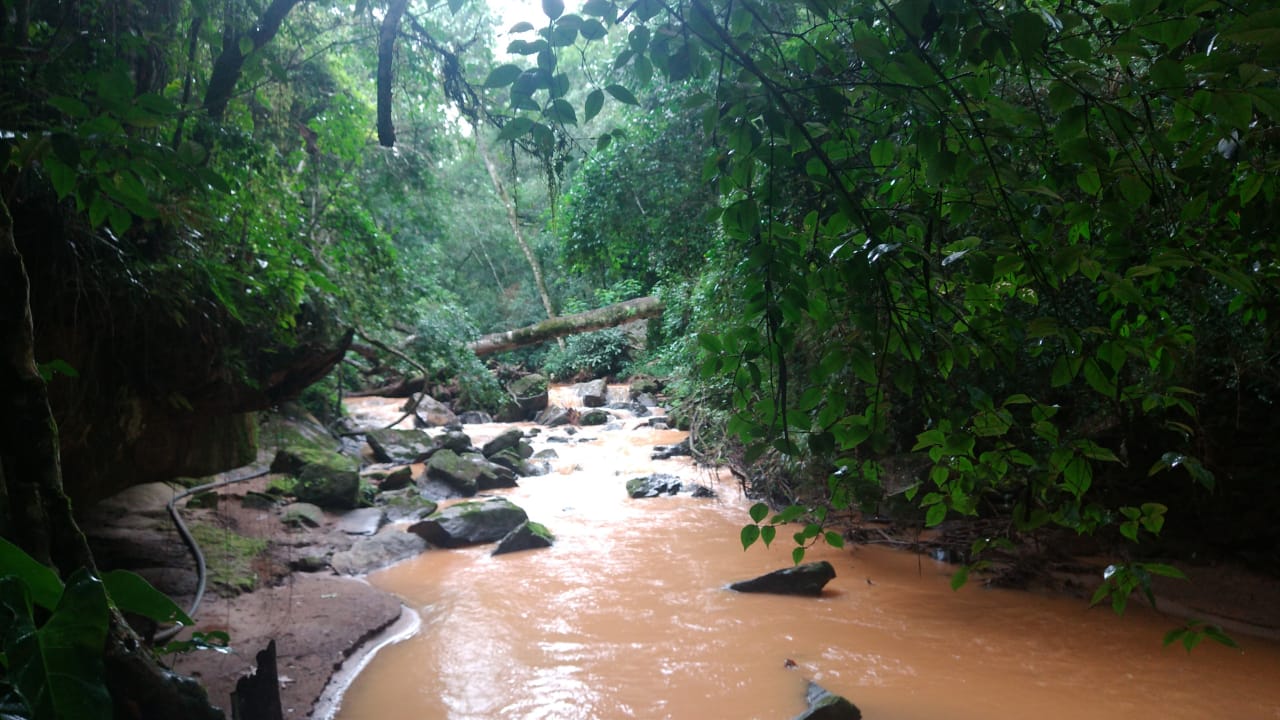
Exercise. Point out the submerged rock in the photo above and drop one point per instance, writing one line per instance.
(824, 705)
(526, 536)
(653, 485)
(807, 579)
(470, 523)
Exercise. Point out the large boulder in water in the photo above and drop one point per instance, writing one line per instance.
(593, 394)
(470, 523)
(527, 536)
(807, 579)
(428, 411)
(372, 553)
(469, 473)
(824, 705)
(653, 485)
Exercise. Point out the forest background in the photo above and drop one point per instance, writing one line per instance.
(1007, 260)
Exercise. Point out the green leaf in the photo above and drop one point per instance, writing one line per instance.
(622, 94)
(767, 534)
(936, 514)
(502, 76)
(758, 512)
(592, 30)
(750, 533)
(959, 577)
(797, 555)
(833, 538)
(1164, 570)
(553, 8)
(130, 593)
(595, 101)
(42, 582)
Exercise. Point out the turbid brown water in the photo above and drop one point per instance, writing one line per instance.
(627, 616)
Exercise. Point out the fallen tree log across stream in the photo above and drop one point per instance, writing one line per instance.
(557, 327)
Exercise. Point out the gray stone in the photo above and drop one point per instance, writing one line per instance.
(332, 488)
(546, 454)
(470, 523)
(508, 439)
(644, 386)
(447, 467)
(371, 553)
(702, 491)
(302, 513)
(399, 446)
(653, 485)
(665, 452)
(807, 579)
(594, 416)
(824, 705)
(645, 400)
(429, 412)
(525, 449)
(454, 440)
(594, 394)
(475, 417)
(526, 536)
(554, 417)
(362, 521)
(405, 503)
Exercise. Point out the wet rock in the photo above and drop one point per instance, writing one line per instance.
(511, 460)
(653, 486)
(702, 491)
(493, 476)
(454, 440)
(644, 386)
(644, 399)
(807, 579)
(405, 503)
(526, 536)
(301, 513)
(429, 412)
(470, 523)
(330, 487)
(594, 394)
(594, 416)
(666, 452)
(399, 446)
(824, 705)
(363, 521)
(447, 467)
(371, 553)
(546, 454)
(508, 439)
(554, 417)
(475, 417)
(525, 449)
(530, 393)
(397, 479)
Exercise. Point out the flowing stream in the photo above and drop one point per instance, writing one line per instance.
(627, 616)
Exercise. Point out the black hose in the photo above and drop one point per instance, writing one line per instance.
(193, 547)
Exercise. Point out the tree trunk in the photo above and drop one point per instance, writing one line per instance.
(36, 515)
(609, 316)
(514, 219)
(386, 57)
(230, 62)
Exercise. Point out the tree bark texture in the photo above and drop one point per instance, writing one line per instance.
(386, 59)
(609, 316)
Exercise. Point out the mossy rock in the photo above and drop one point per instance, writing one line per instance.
(330, 487)
(471, 523)
(526, 536)
(594, 416)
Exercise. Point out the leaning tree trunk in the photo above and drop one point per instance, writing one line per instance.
(36, 515)
(514, 220)
(608, 316)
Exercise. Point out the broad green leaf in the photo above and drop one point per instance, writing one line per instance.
(935, 515)
(130, 593)
(41, 581)
(595, 101)
(622, 94)
(797, 555)
(502, 76)
(758, 512)
(959, 577)
(553, 8)
(750, 533)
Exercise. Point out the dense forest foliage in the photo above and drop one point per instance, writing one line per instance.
(935, 258)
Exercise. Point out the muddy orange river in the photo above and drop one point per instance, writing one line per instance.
(627, 616)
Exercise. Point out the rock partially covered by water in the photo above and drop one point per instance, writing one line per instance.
(653, 486)
(554, 417)
(429, 412)
(807, 579)
(475, 417)
(666, 452)
(469, 473)
(470, 523)
(593, 394)
(509, 438)
(527, 536)
(530, 393)
(824, 705)
(595, 416)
